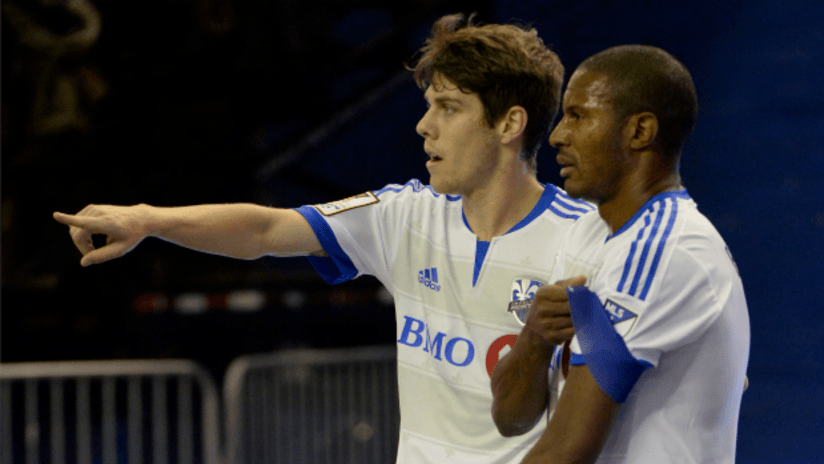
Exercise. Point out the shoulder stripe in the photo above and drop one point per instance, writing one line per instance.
(414, 183)
(652, 239)
(661, 243)
(570, 203)
(642, 260)
(633, 246)
(581, 208)
(565, 206)
(416, 186)
(554, 200)
(552, 207)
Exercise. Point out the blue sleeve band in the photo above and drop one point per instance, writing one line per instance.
(604, 351)
(337, 267)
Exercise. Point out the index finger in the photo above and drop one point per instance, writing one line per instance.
(89, 223)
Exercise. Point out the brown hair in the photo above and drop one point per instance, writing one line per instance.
(506, 65)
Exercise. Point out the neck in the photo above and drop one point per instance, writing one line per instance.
(648, 180)
(495, 209)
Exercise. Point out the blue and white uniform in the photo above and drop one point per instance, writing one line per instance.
(663, 326)
(451, 295)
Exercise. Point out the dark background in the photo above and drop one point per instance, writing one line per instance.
(296, 102)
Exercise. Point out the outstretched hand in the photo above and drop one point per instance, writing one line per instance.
(549, 321)
(123, 226)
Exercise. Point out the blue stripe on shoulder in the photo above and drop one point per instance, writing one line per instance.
(544, 203)
(561, 193)
(337, 267)
(661, 244)
(642, 260)
(568, 205)
(660, 231)
(550, 199)
(562, 214)
(416, 186)
(572, 204)
(682, 194)
(414, 183)
(632, 248)
(603, 350)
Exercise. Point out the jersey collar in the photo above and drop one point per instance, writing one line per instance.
(543, 203)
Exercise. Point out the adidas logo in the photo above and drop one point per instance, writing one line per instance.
(429, 277)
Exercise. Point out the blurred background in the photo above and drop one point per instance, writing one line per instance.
(286, 103)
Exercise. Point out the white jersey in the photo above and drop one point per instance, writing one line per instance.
(663, 326)
(451, 295)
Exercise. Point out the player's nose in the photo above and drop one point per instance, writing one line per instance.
(559, 136)
(425, 127)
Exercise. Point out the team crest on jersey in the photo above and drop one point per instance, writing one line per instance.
(335, 207)
(523, 292)
(622, 318)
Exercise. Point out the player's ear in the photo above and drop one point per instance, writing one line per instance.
(643, 129)
(512, 124)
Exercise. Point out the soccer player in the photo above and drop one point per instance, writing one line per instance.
(656, 369)
(455, 254)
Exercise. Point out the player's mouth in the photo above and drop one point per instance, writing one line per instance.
(567, 164)
(566, 171)
(433, 159)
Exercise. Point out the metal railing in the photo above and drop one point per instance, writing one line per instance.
(109, 412)
(313, 406)
(301, 406)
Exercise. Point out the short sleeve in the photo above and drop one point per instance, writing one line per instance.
(678, 308)
(361, 233)
(600, 347)
(337, 267)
